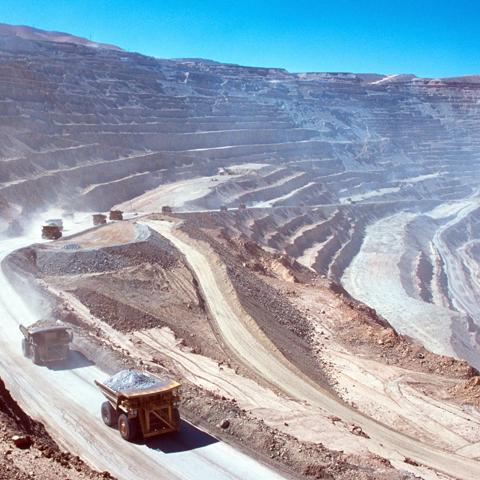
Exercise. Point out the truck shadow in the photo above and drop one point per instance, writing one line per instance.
(75, 360)
(189, 438)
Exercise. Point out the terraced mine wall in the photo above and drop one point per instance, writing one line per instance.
(94, 127)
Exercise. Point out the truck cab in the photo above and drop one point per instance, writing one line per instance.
(46, 343)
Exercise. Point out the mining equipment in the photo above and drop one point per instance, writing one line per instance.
(46, 341)
(99, 219)
(55, 222)
(51, 232)
(166, 209)
(140, 404)
(242, 206)
(223, 208)
(116, 215)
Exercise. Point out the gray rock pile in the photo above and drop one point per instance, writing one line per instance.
(72, 261)
(133, 380)
(47, 323)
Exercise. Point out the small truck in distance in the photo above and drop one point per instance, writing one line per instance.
(140, 404)
(46, 341)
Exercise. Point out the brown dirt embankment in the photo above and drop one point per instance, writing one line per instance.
(468, 391)
(37, 456)
(281, 321)
(284, 296)
(364, 332)
(307, 460)
(132, 286)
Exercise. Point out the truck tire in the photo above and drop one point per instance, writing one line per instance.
(129, 428)
(36, 356)
(25, 348)
(109, 415)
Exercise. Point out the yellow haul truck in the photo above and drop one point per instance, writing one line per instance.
(46, 342)
(140, 404)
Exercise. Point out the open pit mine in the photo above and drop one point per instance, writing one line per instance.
(246, 273)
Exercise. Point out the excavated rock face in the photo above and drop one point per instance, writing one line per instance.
(42, 454)
(72, 259)
(94, 127)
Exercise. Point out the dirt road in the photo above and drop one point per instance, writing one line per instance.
(245, 339)
(68, 403)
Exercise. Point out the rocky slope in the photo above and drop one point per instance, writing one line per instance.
(28, 451)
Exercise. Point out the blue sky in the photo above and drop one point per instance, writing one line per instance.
(428, 38)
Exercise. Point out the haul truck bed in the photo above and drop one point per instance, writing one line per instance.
(140, 404)
(46, 341)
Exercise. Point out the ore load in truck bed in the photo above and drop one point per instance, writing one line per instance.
(130, 381)
(140, 403)
(44, 324)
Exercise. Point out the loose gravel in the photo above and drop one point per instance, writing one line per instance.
(133, 380)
